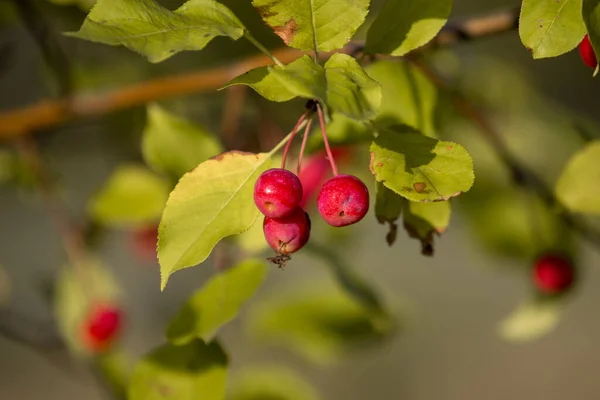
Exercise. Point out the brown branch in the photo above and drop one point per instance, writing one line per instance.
(53, 112)
(521, 175)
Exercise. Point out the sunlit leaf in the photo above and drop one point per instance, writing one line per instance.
(271, 383)
(77, 289)
(174, 145)
(132, 196)
(301, 78)
(591, 17)
(347, 88)
(531, 321)
(155, 32)
(408, 96)
(216, 303)
(420, 168)
(320, 324)
(550, 28)
(578, 188)
(208, 204)
(404, 25)
(194, 371)
(323, 25)
(424, 220)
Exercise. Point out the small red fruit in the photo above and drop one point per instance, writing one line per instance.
(277, 192)
(553, 274)
(316, 169)
(102, 327)
(288, 234)
(343, 200)
(587, 52)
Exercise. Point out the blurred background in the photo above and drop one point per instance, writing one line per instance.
(450, 307)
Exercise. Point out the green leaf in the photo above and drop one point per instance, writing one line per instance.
(347, 88)
(591, 17)
(424, 220)
(153, 31)
(577, 188)
(75, 292)
(408, 96)
(217, 303)
(404, 25)
(174, 145)
(321, 324)
(191, 372)
(420, 168)
(208, 204)
(323, 25)
(531, 320)
(550, 28)
(302, 77)
(388, 207)
(271, 383)
(132, 196)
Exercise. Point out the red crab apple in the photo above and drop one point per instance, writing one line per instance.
(316, 169)
(343, 200)
(102, 326)
(277, 192)
(553, 273)
(288, 234)
(587, 52)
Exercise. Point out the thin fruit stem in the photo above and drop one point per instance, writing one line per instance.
(303, 146)
(289, 143)
(325, 141)
(262, 48)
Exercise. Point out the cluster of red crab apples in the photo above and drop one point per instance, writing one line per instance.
(342, 200)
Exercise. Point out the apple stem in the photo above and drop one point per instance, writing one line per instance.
(325, 141)
(303, 146)
(289, 143)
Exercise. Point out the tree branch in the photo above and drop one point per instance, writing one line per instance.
(522, 175)
(53, 112)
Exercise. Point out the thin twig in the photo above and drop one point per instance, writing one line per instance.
(521, 175)
(53, 112)
(326, 141)
(303, 146)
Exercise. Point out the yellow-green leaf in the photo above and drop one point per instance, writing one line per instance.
(424, 220)
(321, 25)
(271, 383)
(216, 303)
(155, 32)
(420, 168)
(300, 78)
(578, 187)
(208, 204)
(132, 196)
(531, 320)
(404, 25)
(173, 145)
(350, 91)
(550, 28)
(191, 372)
